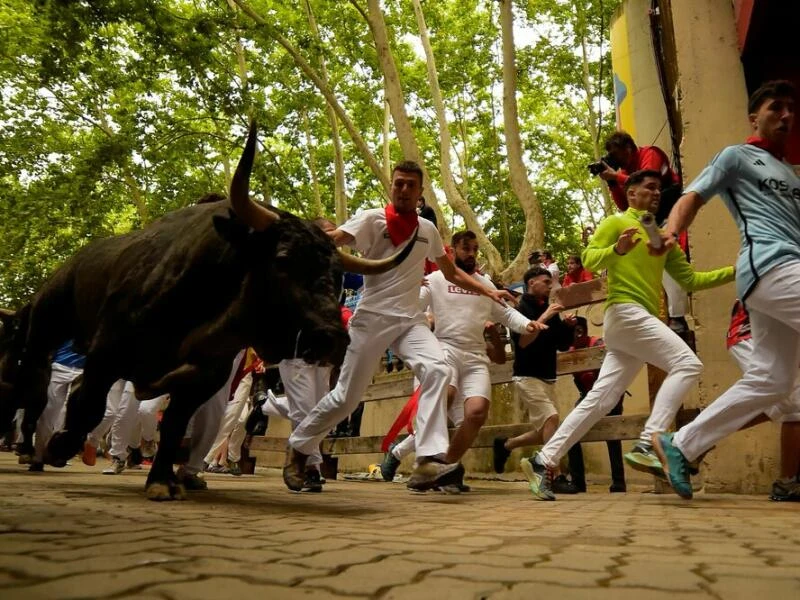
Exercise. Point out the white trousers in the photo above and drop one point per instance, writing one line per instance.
(633, 337)
(677, 298)
(774, 307)
(239, 433)
(52, 417)
(120, 417)
(233, 411)
(370, 335)
(785, 411)
(206, 422)
(148, 418)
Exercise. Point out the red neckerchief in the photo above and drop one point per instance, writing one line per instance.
(771, 147)
(400, 226)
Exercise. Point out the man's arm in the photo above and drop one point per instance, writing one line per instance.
(526, 339)
(341, 238)
(680, 217)
(458, 277)
(691, 280)
(608, 245)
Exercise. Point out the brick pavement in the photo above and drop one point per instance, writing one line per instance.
(76, 533)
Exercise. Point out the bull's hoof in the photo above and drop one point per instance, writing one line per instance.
(161, 492)
(63, 446)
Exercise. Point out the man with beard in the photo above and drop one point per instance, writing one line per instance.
(388, 315)
(460, 316)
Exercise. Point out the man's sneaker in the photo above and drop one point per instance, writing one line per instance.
(215, 468)
(539, 477)
(313, 482)
(192, 482)
(617, 488)
(678, 325)
(389, 465)
(433, 472)
(116, 467)
(234, 468)
(294, 472)
(676, 467)
(643, 458)
(786, 490)
(500, 454)
(36, 467)
(89, 456)
(562, 485)
(149, 448)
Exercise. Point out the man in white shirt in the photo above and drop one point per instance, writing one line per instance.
(460, 316)
(388, 315)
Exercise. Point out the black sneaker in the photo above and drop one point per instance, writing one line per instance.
(617, 488)
(786, 490)
(500, 454)
(234, 468)
(313, 482)
(389, 465)
(562, 485)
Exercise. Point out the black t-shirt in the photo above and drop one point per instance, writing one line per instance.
(538, 359)
(427, 212)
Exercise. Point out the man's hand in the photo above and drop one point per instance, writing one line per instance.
(667, 242)
(551, 311)
(626, 242)
(536, 326)
(609, 174)
(500, 296)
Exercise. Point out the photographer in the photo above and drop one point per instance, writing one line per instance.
(624, 157)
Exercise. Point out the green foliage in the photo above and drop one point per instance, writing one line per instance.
(116, 112)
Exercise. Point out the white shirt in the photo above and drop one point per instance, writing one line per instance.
(461, 314)
(395, 292)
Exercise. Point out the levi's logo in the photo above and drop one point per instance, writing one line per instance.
(777, 185)
(454, 289)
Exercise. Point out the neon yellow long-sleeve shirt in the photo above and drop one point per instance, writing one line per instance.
(636, 276)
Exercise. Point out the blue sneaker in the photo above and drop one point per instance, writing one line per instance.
(540, 478)
(676, 467)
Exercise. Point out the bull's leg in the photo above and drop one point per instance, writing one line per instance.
(162, 484)
(86, 406)
(32, 387)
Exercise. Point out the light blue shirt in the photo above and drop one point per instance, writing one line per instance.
(763, 196)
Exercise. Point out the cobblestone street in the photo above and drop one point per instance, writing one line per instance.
(76, 533)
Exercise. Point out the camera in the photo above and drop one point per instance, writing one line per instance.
(598, 167)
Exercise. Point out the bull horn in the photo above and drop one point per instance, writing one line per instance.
(366, 266)
(254, 215)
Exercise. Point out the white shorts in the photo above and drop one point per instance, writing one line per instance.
(469, 375)
(538, 396)
(785, 411)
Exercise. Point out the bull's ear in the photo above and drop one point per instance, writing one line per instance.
(231, 230)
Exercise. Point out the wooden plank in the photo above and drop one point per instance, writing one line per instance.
(585, 359)
(581, 294)
(623, 427)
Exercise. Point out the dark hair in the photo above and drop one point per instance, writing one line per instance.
(408, 166)
(535, 272)
(576, 258)
(462, 235)
(547, 254)
(638, 177)
(582, 322)
(534, 254)
(619, 139)
(770, 90)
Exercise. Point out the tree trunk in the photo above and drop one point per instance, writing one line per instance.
(387, 149)
(339, 194)
(396, 99)
(534, 222)
(608, 203)
(454, 197)
(318, 210)
(324, 89)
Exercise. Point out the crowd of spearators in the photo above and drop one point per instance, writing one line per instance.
(170, 310)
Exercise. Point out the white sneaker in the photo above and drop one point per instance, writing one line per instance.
(116, 467)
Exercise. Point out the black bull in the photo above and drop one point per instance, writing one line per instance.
(168, 307)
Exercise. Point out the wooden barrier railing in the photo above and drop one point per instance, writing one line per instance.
(623, 427)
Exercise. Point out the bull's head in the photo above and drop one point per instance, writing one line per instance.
(295, 275)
